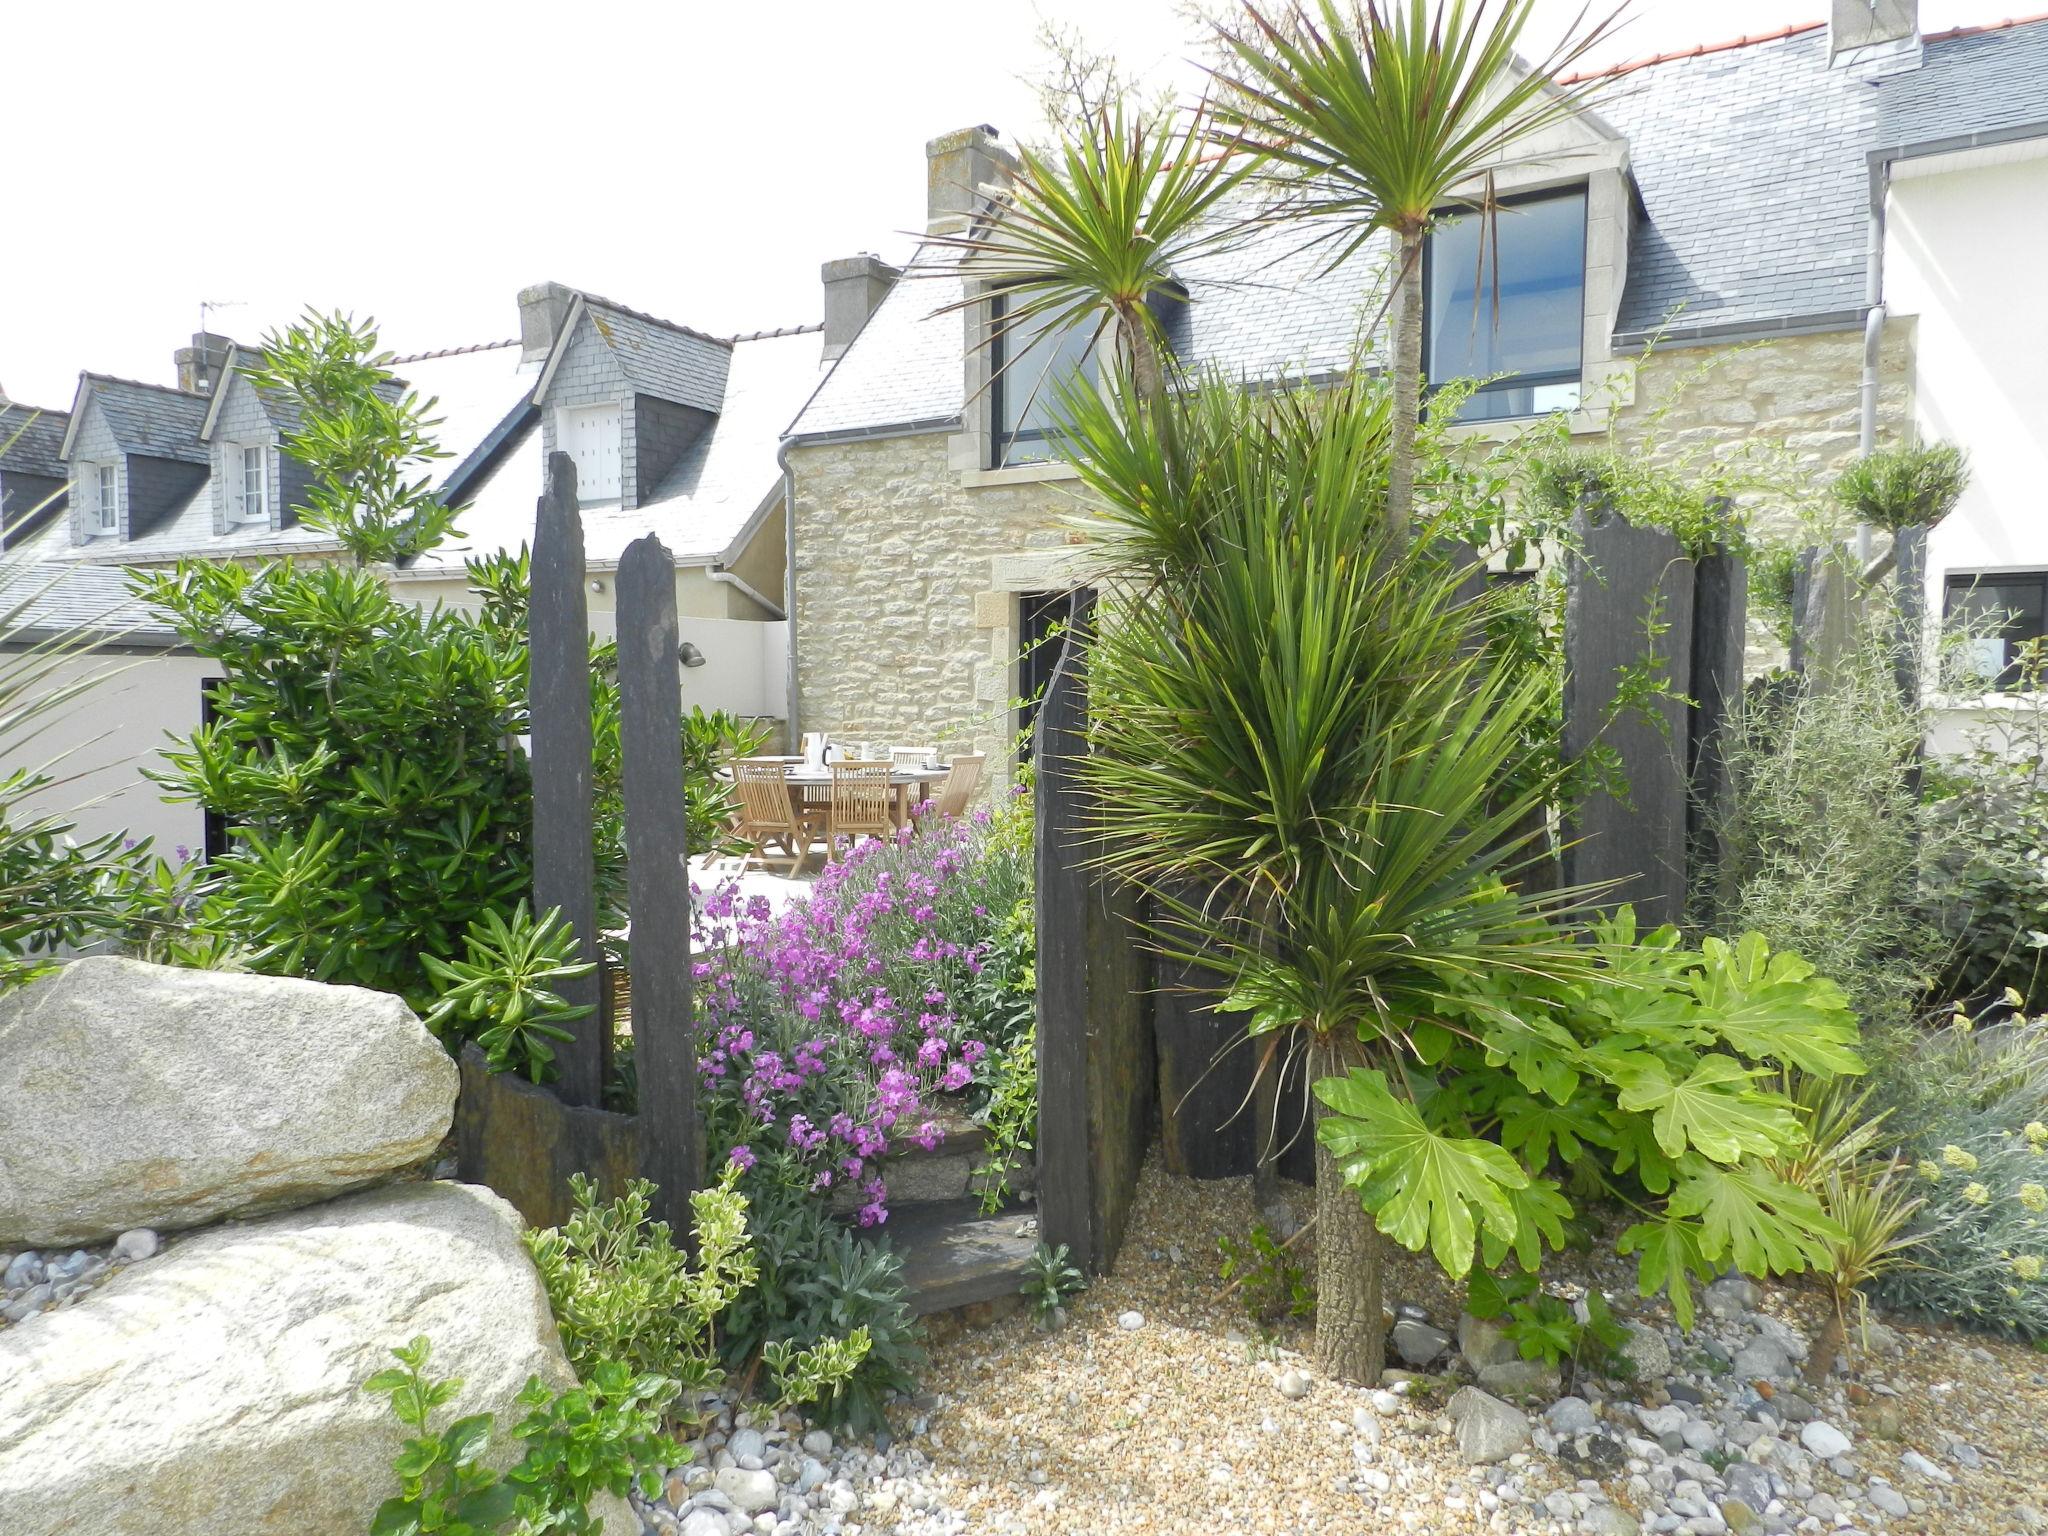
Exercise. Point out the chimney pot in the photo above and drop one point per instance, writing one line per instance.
(542, 309)
(957, 166)
(854, 289)
(1860, 30)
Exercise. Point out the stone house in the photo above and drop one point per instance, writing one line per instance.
(1815, 239)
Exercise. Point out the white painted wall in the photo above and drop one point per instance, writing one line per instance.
(1966, 246)
(101, 742)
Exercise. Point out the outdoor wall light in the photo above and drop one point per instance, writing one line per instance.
(689, 655)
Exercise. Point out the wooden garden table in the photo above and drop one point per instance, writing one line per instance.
(902, 782)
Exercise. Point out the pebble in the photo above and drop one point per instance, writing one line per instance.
(1418, 1343)
(1887, 1499)
(1824, 1440)
(1919, 1465)
(1293, 1384)
(1130, 1322)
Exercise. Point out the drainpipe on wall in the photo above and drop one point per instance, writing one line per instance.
(1873, 333)
(789, 593)
(720, 574)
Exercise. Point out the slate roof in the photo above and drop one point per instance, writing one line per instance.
(1752, 161)
(1270, 306)
(151, 419)
(706, 503)
(44, 600)
(1973, 81)
(32, 440)
(661, 358)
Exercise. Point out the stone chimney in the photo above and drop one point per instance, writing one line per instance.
(957, 166)
(542, 309)
(201, 365)
(1860, 30)
(854, 289)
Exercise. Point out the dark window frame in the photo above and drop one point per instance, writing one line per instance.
(1043, 619)
(1002, 444)
(1583, 192)
(1957, 584)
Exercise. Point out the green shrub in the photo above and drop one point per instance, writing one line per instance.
(1271, 1285)
(1543, 1326)
(500, 992)
(1648, 1077)
(600, 1437)
(1050, 1279)
(622, 1291)
(1896, 488)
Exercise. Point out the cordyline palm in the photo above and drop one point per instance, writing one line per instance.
(1091, 232)
(1383, 113)
(1303, 752)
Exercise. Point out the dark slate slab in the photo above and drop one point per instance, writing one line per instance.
(1720, 628)
(1635, 846)
(522, 1142)
(564, 857)
(954, 1256)
(658, 876)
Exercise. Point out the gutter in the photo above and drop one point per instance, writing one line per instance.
(1873, 331)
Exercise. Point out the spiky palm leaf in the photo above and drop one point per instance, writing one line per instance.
(1095, 230)
(1383, 113)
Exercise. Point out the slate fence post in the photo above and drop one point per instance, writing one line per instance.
(1720, 635)
(1629, 605)
(658, 877)
(1097, 1084)
(564, 859)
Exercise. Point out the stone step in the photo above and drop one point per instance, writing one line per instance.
(954, 1256)
(937, 1174)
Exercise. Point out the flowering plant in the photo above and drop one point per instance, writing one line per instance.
(829, 1030)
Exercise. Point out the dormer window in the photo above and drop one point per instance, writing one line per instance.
(1507, 304)
(589, 434)
(1031, 362)
(250, 487)
(106, 498)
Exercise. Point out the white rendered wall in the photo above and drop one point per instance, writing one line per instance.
(1966, 247)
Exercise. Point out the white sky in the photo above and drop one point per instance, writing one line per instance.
(422, 161)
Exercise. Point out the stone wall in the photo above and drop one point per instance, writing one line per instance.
(905, 583)
(907, 569)
(1793, 400)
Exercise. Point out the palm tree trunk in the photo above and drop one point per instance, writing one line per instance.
(1350, 1331)
(1406, 367)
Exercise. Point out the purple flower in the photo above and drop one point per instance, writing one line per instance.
(742, 1158)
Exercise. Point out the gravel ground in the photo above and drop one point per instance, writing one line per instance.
(1186, 1422)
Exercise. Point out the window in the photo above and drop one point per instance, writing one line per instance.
(252, 484)
(1042, 619)
(2014, 604)
(1028, 365)
(1533, 262)
(106, 498)
(589, 434)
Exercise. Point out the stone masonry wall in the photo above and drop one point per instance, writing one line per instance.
(906, 578)
(904, 635)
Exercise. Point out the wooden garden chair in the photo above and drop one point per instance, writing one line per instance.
(767, 818)
(963, 773)
(861, 803)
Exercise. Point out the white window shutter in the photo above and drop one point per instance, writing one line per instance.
(590, 435)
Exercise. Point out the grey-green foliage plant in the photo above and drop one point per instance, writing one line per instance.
(1694, 509)
(1824, 829)
(502, 992)
(1304, 751)
(622, 1291)
(1981, 1256)
(1050, 1277)
(1904, 487)
(56, 888)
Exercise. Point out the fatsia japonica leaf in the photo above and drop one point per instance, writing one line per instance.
(1423, 1188)
(1714, 1111)
(1669, 1256)
(1529, 1127)
(1750, 1216)
(1541, 1211)
(1774, 1008)
(1542, 1053)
